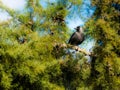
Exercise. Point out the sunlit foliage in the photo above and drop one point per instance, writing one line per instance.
(104, 27)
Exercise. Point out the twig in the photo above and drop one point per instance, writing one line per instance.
(75, 48)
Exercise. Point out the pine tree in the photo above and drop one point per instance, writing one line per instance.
(104, 27)
(30, 55)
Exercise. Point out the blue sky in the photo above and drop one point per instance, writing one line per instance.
(72, 20)
(14, 4)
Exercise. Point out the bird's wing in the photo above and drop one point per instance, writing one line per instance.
(72, 38)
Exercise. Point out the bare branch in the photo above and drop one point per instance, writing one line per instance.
(74, 47)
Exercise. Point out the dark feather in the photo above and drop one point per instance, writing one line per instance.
(77, 38)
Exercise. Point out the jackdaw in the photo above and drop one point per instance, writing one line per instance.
(77, 37)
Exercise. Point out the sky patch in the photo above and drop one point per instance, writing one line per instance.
(14, 4)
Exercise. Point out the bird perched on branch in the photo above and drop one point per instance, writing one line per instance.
(77, 37)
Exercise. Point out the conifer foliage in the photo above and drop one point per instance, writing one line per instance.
(29, 57)
(104, 27)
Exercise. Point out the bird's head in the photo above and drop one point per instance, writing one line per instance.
(79, 29)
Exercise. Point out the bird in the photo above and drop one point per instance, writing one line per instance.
(77, 37)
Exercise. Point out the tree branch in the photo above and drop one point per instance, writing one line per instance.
(75, 48)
